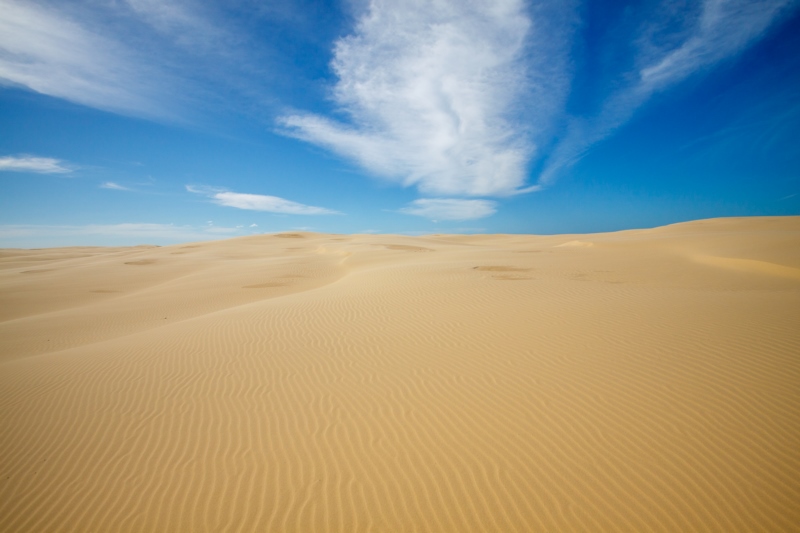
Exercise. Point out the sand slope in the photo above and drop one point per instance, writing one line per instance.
(643, 380)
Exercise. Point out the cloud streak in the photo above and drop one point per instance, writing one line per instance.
(40, 165)
(719, 30)
(180, 61)
(450, 208)
(50, 52)
(113, 186)
(434, 90)
(259, 202)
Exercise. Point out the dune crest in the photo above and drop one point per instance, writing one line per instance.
(648, 382)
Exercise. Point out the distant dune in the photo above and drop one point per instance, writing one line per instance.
(644, 380)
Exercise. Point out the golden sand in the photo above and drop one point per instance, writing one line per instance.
(643, 380)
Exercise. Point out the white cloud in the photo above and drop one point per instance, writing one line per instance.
(113, 186)
(271, 204)
(725, 27)
(435, 92)
(167, 16)
(49, 51)
(253, 225)
(259, 202)
(195, 26)
(450, 208)
(41, 165)
(171, 61)
(717, 31)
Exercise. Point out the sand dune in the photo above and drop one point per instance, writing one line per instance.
(643, 380)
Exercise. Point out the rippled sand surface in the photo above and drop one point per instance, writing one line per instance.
(643, 380)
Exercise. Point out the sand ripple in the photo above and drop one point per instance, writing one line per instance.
(353, 385)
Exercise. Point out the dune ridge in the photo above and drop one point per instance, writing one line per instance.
(316, 382)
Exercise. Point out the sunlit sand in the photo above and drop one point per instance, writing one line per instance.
(643, 380)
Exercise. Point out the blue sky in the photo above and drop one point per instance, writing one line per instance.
(140, 121)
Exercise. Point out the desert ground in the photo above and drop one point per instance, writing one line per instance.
(643, 380)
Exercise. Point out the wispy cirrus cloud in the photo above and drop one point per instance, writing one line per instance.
(52, 51)
(177, 61)
(450, 208)
(434, 92)
(697, 40)
(259, 202)
(192, 25)
(177, 16)
(28, 163)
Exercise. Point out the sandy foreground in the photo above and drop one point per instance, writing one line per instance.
(643, 380)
